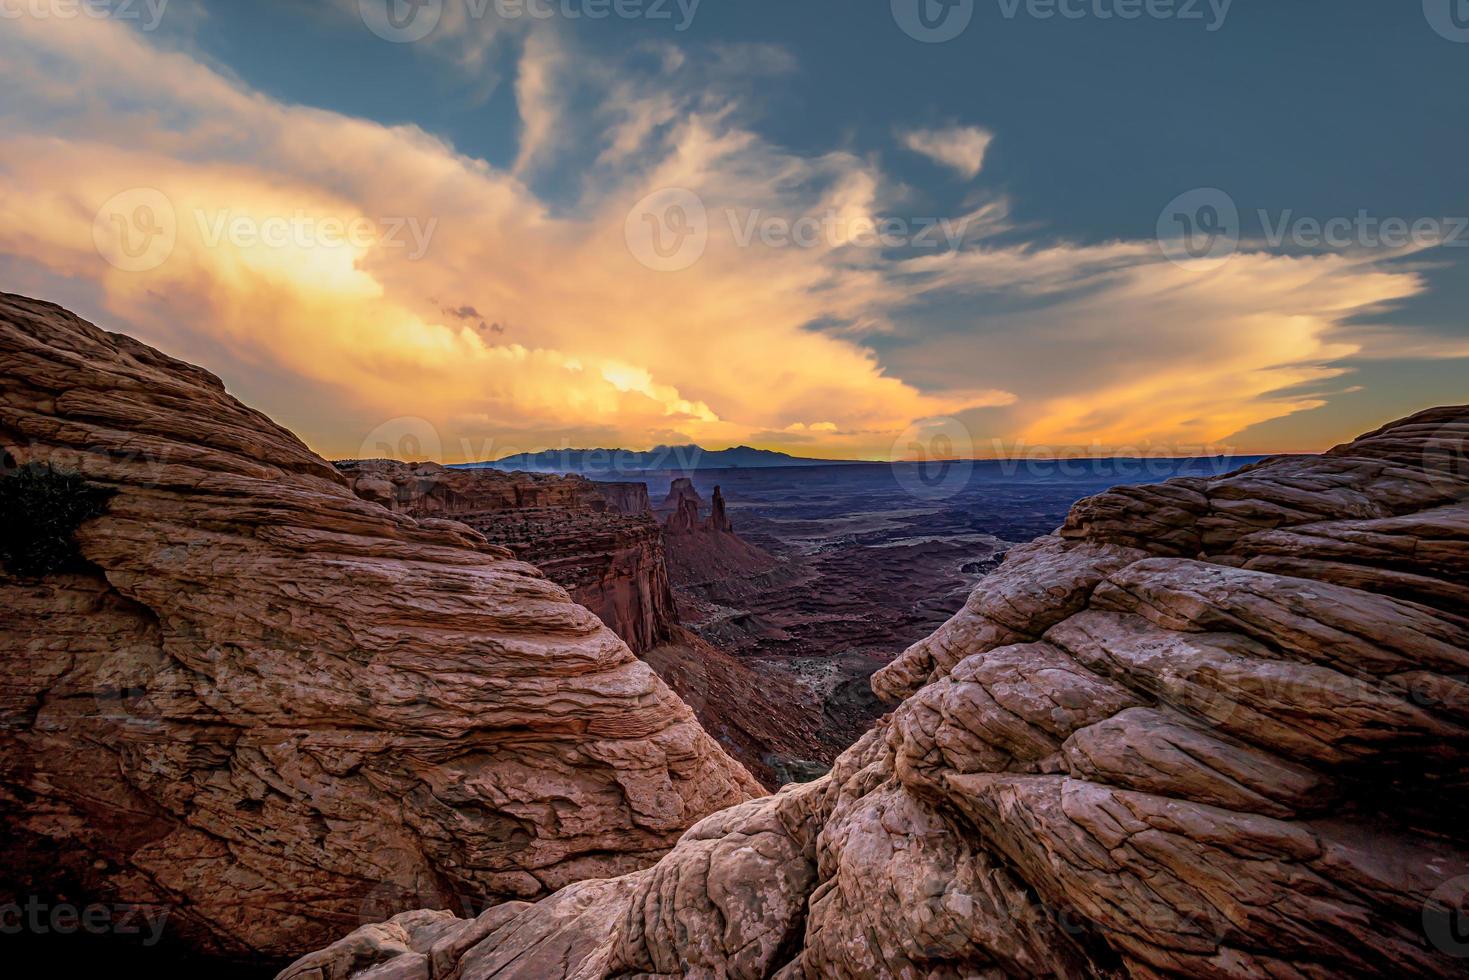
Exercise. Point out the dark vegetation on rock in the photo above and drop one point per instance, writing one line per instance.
(40, 510)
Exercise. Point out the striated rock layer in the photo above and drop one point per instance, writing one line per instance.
(280, 710)
(1212, 728)
(625, 498)
(600, 542)
(587, 537)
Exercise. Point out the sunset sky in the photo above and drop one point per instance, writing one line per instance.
(781, 223)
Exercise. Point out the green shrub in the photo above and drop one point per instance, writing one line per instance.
(40, 510)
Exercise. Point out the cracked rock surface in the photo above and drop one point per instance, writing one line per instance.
(282, 711)
(1210, 728)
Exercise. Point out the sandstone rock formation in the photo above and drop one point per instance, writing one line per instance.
(703, 550)
(280, 710)
(1213, 728)
(625, 498)
(601, 543)
(681, 489)
(718, 518)
(685, 520)
(610, 561)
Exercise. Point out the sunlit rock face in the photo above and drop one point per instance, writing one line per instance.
(1212, 728)
(589, 537)
(279, 710)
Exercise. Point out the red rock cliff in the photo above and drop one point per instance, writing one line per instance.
(610, 561)
(280, 710)
(626, 498)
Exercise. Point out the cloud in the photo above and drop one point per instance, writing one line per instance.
(472, 305)
(960, 148)
(602, 346)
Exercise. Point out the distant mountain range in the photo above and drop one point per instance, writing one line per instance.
(663, 458)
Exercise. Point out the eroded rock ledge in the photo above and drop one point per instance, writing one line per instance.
(281, 711)
(1212, 728)
(577, 532)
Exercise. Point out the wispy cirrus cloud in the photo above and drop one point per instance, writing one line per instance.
(960, 148)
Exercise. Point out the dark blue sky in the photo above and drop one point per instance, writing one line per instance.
(1322, 106)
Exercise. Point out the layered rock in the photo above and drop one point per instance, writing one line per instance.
(611, 561)
(625, 498)
(703, 551)
(681, 489)
(683, 521)
(580, 535)
(718, 518)
(280, 710)
(466, 495)
(1212, 728)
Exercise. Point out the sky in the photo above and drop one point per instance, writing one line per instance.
(462, 229)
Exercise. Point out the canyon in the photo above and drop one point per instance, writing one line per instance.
(1211, 725)
(598, 541)
(616, 555)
